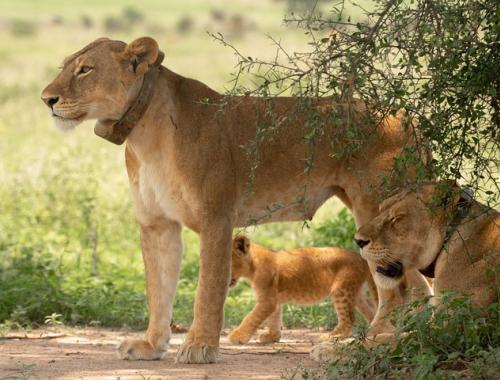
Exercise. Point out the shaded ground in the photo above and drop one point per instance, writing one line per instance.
(71, 353)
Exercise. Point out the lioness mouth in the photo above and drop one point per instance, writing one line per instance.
(393, 270)
(56, 116)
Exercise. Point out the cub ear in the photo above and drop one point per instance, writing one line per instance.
(141, 54)
(241, 244)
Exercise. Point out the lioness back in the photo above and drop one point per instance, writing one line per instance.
(300, 276)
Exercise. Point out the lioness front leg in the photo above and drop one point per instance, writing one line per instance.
(412, 287)
(161, 250)
(202, 341)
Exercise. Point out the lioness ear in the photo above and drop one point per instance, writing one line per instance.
(141, 54)
(241, 245)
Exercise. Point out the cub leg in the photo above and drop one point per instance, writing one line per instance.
(273, 333)
(161, 249)
(343, 299)
(202, 340)
(264, 307)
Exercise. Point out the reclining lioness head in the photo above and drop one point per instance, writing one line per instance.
(99, 81)
(407, 234)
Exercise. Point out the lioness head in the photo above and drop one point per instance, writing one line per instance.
(99, 81)
(241, 261)
(408, 233)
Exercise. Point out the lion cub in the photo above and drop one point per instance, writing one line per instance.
(299, 276)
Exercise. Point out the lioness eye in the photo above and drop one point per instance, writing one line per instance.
(84, 69)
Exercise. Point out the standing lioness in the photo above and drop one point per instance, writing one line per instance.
(300, 276)
(187, 166)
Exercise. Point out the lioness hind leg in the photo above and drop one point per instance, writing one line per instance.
(273, 333)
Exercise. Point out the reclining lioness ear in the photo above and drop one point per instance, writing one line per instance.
(441, 231)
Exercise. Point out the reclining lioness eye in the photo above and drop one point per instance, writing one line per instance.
(394, 219)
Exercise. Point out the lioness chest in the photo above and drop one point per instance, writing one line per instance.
(163, 193)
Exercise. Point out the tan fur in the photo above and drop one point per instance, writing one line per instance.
(300, 276)
(186, 166)
(411, 228)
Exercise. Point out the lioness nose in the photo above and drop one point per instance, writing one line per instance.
(362, 243)
(50, 100)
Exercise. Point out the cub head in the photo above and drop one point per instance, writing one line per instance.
(408, 232)
(241, 259)
(99, 81)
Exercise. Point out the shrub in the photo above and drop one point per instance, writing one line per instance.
(452, 341)
(337, 232)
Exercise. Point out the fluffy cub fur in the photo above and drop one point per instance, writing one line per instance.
(299, 276)
(458, 239)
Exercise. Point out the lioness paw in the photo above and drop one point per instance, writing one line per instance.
(196, 353)
(140, 350)
(239, 337)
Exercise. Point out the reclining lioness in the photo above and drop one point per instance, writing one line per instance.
(450, 237)
(300, 276)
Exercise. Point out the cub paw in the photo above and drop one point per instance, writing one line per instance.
(140, 350)
(196, 353)
(269, 337)
(239, 337)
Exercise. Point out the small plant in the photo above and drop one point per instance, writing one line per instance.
(133, 15)
(53, 320)
(25, 373)
(115, 24)
(23, 28)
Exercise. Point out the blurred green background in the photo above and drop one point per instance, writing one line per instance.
(69, 243)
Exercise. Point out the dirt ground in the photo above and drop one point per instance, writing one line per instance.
(90, 353)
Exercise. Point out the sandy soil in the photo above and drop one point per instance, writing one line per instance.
(71, 353)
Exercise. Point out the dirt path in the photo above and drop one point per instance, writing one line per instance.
(71, 353)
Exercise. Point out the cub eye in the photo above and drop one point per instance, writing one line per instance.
(84, 70)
